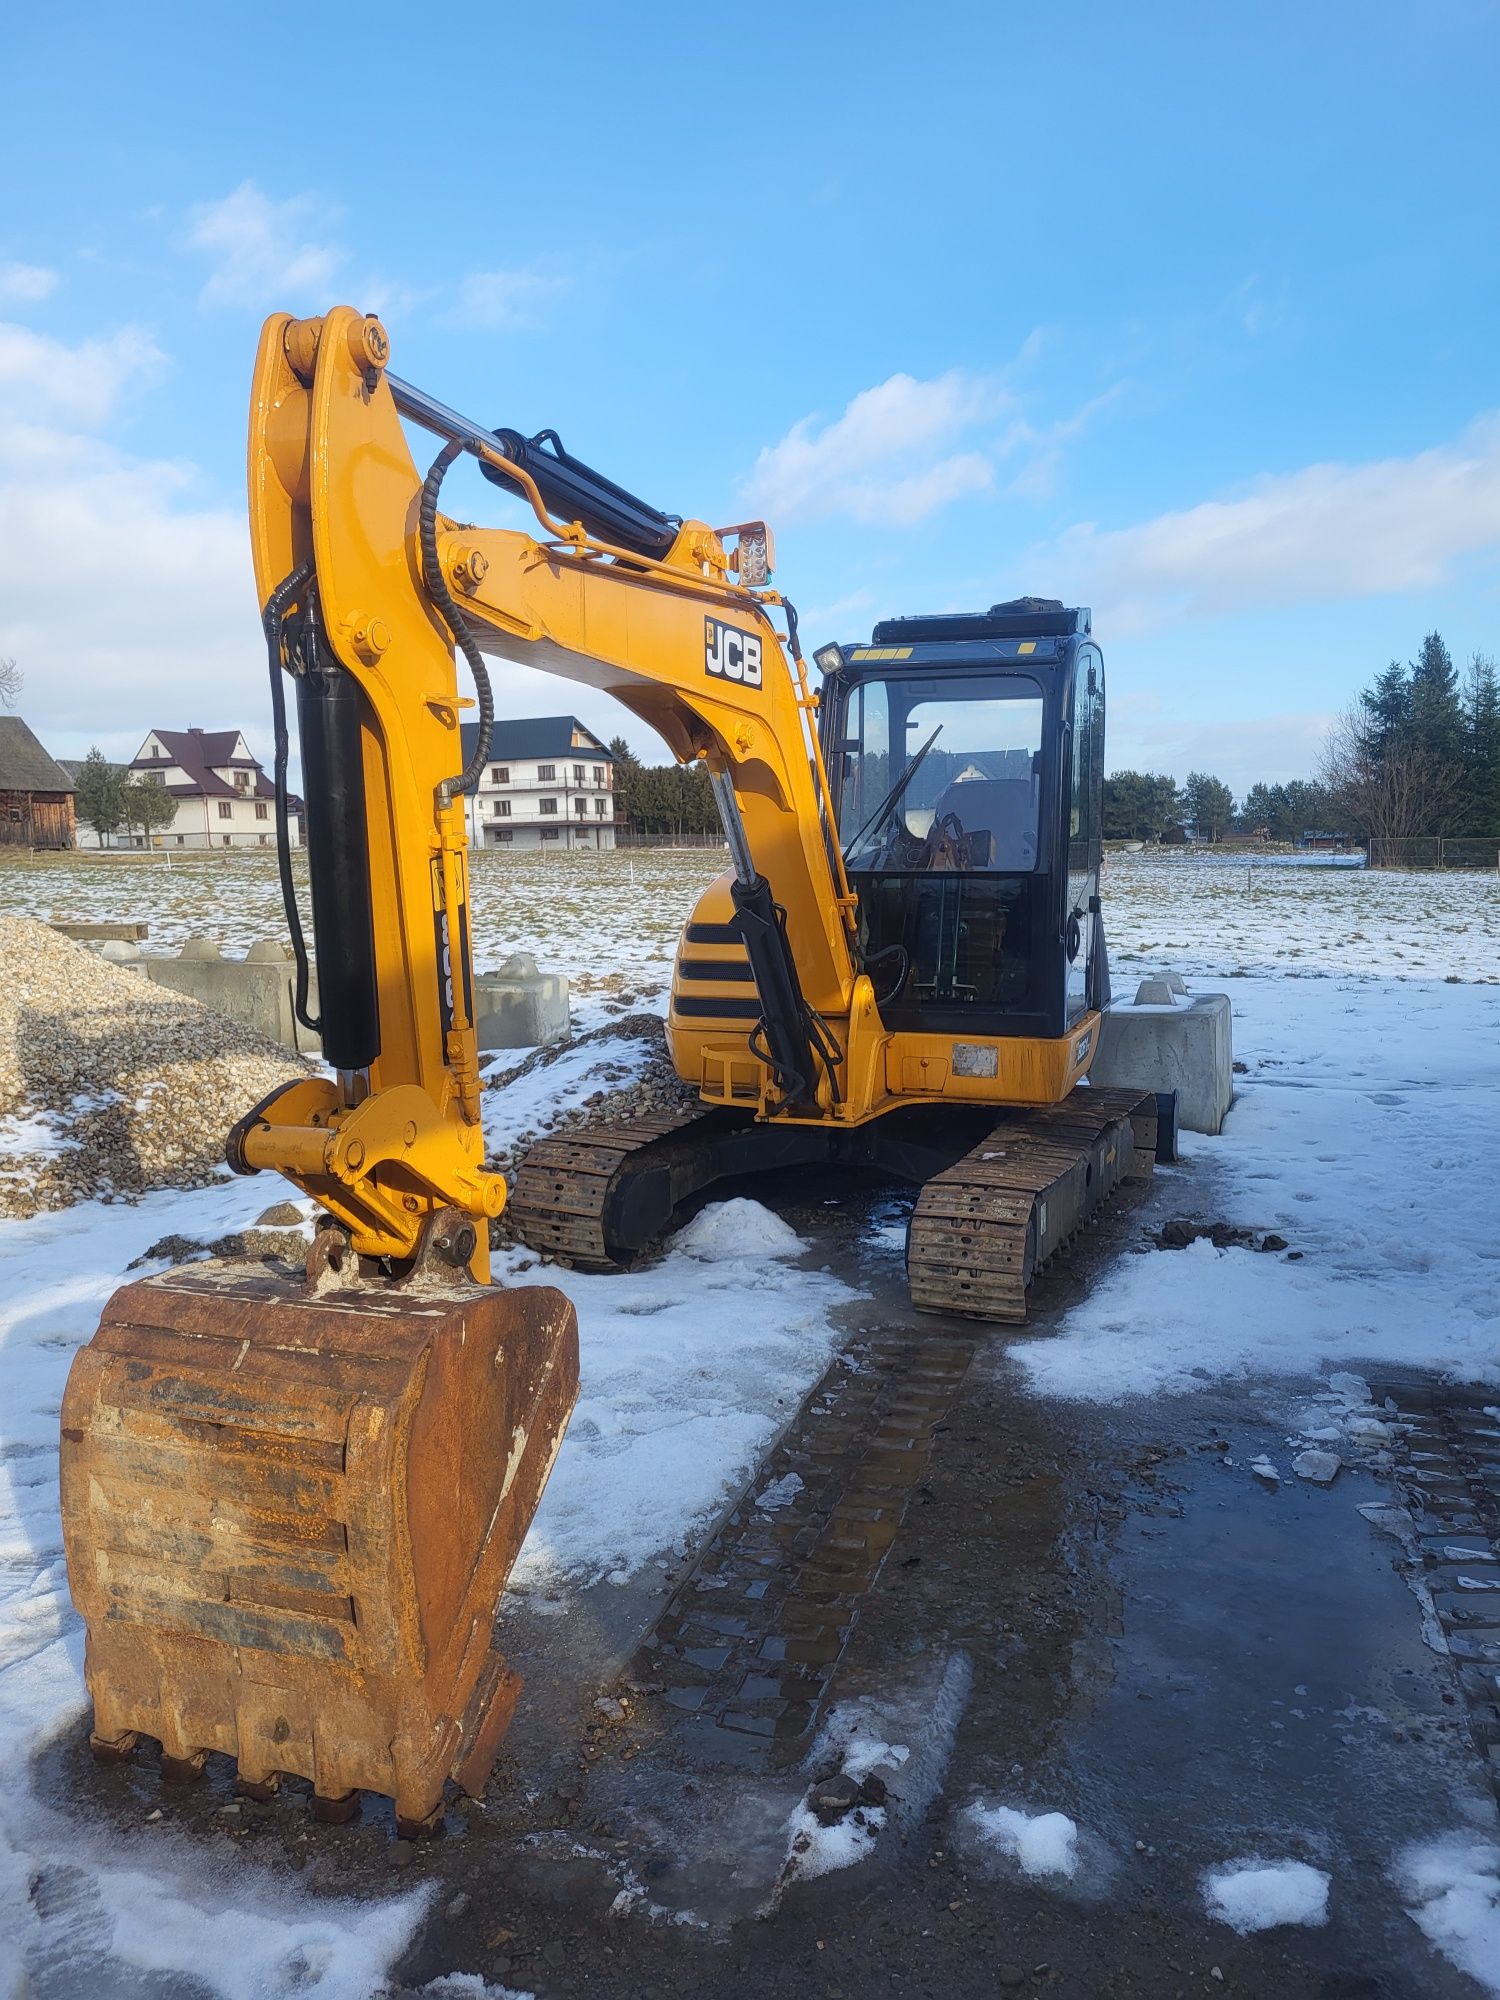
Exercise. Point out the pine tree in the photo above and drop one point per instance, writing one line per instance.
(147, 805)
(1481, 702)
(99, 795)
(1436, 711)
(1209, 805)
(1387, 708)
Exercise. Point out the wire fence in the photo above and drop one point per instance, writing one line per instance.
(1437, 851)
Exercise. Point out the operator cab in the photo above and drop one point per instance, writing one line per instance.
(966, 758)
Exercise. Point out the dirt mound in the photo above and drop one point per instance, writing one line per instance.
(110, 1085)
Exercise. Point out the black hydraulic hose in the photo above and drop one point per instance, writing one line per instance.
(442, 597)
(273, 621)
(794, 644)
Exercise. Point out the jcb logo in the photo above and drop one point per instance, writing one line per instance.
(731, 655)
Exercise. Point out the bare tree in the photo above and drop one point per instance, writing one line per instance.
(12, 680)
(1387, 794)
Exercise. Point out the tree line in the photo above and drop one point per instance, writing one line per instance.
(1417, 754)
(669, 799)
(107, 797)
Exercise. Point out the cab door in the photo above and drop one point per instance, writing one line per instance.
(1082, 936)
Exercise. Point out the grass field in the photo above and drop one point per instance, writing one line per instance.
(596, 915)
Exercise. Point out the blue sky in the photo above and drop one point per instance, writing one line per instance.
(1187, 312)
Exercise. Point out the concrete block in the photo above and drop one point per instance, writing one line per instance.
(519, 1007)
(119, 951)
(256, 990)
(1182, 1045)
(203, 948)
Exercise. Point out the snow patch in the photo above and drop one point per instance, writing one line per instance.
(689, 1369)
(1451, 1890)
(1043, 1845)
(470, 1986)
(1256, 1895)
(780, 1493)
(728, 1230)
(1358, 1133)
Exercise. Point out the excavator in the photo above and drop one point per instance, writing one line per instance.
(291, 1502)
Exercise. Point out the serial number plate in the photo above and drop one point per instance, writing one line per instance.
(975, 1059)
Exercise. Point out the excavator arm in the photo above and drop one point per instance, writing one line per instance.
(370, 591)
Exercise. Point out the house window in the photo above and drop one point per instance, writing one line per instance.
(546, 774)
(501, 809)
(261, 811)
(499, 774)
(599, 806)
(549, 833)
(546, 805)
(156, 777)
(598, 774)
(265, 837)
(578, 774)
(242, 781)
(226, 809)
(504, 833)
(581, 806)
(181, 840)
(225, 838)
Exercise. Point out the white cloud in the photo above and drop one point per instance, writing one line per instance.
(1325, 534)
(507, 301)
(264, 253)
(157, 624)
(123, 601)
(41, 377)
(887, 460)
(26, 284)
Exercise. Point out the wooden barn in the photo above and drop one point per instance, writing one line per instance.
(36, 794)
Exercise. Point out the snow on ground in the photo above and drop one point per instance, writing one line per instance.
(689, 1368)
(77, 1906)
(1362, 1134)
(597, 915)
(1255, 1895)
(1451, 1890)
(1043, 1845)
(1221, 914)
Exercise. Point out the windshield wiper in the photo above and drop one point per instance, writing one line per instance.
(883, 810)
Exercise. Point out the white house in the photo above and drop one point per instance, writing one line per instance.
(224, 798)
(549, 782)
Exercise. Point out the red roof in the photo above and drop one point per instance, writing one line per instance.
(197, 751)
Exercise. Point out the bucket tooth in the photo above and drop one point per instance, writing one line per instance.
(183, 1770)
(112, 1749)
(289, 1520)
(258, 1788)
(335, 1811)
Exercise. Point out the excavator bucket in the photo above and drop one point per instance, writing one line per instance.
(289, 1516)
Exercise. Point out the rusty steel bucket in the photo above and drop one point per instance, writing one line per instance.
(289, 1519)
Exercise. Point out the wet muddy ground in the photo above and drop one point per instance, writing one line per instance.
(1092, 1610)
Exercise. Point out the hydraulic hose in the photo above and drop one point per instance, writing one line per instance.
(442, 597)
(273, 622)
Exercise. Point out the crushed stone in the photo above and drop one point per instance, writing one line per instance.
(110, 1086)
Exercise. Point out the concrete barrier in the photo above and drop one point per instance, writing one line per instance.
(256, 990)
(1163, 1042)
(516, 1007)
(519, 1007)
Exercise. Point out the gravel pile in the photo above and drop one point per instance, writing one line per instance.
(110, 1085)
